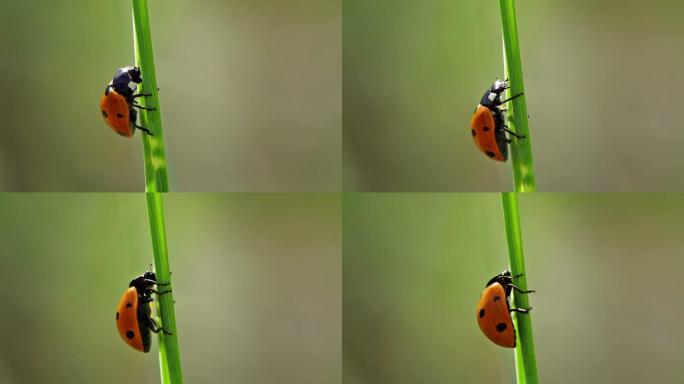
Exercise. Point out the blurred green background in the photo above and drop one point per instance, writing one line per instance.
(603, 82)
(607, 270)
(257, 284)
(250, 95)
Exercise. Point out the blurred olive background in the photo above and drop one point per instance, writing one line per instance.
(603, 81)
(257, 284)
(607, 270)
(250, 95)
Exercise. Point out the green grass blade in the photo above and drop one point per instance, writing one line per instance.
(169, 352)
(155, 157)
(525, 360)
(521, 149)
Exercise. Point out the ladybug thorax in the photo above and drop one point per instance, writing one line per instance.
(499, 85)
(491, 99)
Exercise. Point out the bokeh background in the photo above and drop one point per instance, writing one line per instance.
(257, 284)
(607, 270)
(603, 81)
(250, 95)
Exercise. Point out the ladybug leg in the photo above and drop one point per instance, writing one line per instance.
(520, 290)
(145, 108)
(152, 325)
(160, 293)
(520, 310)
(155, 282)
(512, 133)
(144, 130)
(141, 95)
(511, 98)
(134, 118)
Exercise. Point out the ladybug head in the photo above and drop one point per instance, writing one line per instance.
(132, 72)
(144, 282)
(504, 278)
(499, 86)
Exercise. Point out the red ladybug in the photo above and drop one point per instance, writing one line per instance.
(118, 102)
(133, 314)
(494, 310)
(488, 125)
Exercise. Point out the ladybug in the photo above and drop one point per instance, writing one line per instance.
(488, 125)
(494, 310)
(133, 314)
(118, 102)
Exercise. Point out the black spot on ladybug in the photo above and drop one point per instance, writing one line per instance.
(117, 315)
(482, 313)
(486, 129)
(128, 305)
(104, 113)
(471, 131)
(131, 334)
(501, 327)
(119, 115)
(491, 154)
(497, 298)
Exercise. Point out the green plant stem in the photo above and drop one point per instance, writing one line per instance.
(155, 157)
(169, 353)
(525, 360)
(521, 149)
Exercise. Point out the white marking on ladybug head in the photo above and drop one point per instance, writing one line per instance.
(132, 85)
(492, 96)
(499, 84)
